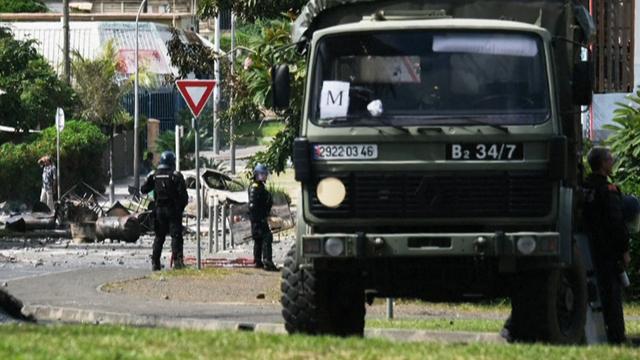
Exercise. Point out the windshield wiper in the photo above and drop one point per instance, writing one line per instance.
(385, 121)
(338, 120)
(351, 119)
(474, 120)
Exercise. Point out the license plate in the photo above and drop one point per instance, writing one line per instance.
(345, 152)
(485, 151)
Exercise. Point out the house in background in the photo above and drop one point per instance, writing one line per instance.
(179, 11)
(124, 6)
(616, 60)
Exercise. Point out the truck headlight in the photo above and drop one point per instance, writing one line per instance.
(331, 192)
(334, 246)
(526, 245)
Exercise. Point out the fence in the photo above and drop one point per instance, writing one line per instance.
(163, 104)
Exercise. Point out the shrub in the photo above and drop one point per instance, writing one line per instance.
(82, 145)
(625, 145)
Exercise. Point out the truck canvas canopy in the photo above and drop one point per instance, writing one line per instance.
(548, 14)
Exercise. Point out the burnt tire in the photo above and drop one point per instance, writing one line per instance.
(321, 302)
(551, 306)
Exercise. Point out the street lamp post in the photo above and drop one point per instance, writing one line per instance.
(136, 110)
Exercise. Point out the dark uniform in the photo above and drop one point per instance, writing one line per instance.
(609, 241)
(171, 198)
(260, 203)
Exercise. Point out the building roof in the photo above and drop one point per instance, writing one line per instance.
(88, 38)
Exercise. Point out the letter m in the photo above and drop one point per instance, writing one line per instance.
(331, 100)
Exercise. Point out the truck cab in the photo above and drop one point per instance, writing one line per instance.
(433, 158)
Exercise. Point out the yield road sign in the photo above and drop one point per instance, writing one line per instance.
(196, 93)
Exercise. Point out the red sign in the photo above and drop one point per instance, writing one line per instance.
(196, 93)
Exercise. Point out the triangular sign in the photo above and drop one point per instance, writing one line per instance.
(196, 93)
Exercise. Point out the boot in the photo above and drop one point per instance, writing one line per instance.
(178, 263)
(155, 265)
(270, 266)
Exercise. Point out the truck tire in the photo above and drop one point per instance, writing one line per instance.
(551, 306)
(321, 302)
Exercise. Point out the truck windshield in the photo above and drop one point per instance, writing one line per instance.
(430, 78)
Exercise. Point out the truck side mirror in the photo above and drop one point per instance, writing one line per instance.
(280, 86)
(583, 82)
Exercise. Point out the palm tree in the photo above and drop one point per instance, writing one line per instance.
(100, 87)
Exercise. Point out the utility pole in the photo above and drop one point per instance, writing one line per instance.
(65, 46)
(136, 106)
(216, 91)
(232, 145)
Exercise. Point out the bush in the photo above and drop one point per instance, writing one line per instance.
(625, 145)
(22, 6)
(82, 145)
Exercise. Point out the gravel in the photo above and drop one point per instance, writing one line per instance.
(29, 257)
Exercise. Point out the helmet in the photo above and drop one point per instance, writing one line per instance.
(168, 159)
(260, 171)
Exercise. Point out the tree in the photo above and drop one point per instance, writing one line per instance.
(32, 89)
(274, 48)
(100, 87)
(22, 6)
(625, 145)
(250, 10)
(625, 141)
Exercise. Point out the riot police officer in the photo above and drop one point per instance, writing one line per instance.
(609, 239)
(170, 194)
(260, 203)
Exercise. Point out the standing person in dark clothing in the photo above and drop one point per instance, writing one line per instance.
(609, 239)
(171, 197)
(260, 203)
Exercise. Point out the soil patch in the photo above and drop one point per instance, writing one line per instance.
(251, 286)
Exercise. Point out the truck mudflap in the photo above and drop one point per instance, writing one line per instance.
(498, 244)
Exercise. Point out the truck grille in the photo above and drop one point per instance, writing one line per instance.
(403, 195)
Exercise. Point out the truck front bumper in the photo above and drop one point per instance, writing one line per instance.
(498, 244)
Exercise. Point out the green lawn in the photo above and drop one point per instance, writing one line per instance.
(252, 133)
(110, 342)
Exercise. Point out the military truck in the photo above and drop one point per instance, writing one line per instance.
(439, 159)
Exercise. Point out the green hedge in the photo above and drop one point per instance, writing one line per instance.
(82, 145)
(22, 6)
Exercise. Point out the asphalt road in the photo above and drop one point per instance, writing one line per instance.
(79, 289)
(58, 273)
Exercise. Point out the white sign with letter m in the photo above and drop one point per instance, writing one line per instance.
(334, 99)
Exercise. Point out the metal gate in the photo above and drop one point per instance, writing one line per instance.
(163, 104)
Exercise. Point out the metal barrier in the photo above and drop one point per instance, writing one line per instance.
(219, 226)
(163, 104)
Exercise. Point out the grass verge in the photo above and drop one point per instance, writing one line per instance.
(111, 342)
(191, 272)
(473, 325)
(252, 133)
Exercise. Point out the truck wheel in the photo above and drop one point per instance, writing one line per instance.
(551, 306)
(321, 302)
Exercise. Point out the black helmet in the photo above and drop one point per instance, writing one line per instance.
(168, 159)
(260, 172)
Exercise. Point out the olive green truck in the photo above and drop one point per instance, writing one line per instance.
(439, 157)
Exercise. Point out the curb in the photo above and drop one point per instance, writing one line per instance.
(69, 315)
